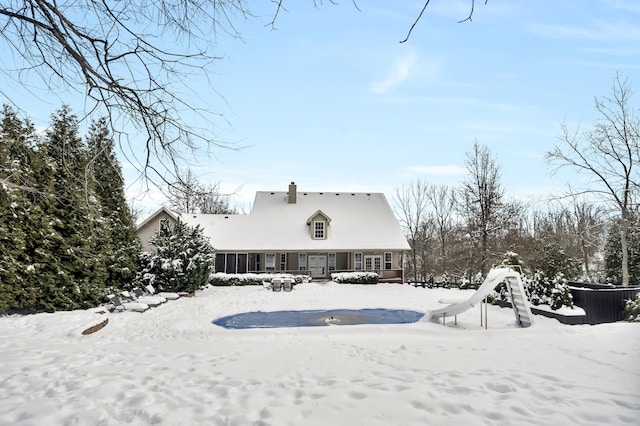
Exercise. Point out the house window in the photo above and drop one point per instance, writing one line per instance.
(387, 260)
(258, 262)
(357, 261)
(270, 261)
(283, 261)
(372, 263)
(302, 261)
(318, 228)
(164, 224)
(332, 261)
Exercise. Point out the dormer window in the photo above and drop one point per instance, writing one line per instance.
(318, 230)
(318, 224)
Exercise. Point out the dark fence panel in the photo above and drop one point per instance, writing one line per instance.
(602, 303)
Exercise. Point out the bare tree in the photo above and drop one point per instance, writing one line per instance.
(609, 154)
(410, 205)
(589, 225)
(213, 201)
(189, 195)
(442, 201)
(481, 199)
(183, 194)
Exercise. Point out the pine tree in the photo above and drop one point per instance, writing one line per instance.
(75, 212)
(183, 259)
(119, 242)
(27, 266)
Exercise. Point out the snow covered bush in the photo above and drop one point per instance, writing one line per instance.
(632, 309)
(222, 279)
(465, 283)
(549, 284)
(549, 291)
(182, 262)
(355, 277)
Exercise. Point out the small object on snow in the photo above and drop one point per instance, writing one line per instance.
(96, 327)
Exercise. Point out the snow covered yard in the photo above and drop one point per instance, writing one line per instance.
(171, 365)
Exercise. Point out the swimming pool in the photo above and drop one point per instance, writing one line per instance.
(315, 318)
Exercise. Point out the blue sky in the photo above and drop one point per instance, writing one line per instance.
(331, 100)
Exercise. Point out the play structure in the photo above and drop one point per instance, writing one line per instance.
(495, 276)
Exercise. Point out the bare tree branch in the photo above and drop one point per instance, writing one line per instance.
(111, 53)
(424, 7)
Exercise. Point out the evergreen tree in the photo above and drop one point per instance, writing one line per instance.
(75, 213)
(552, 274)
(119, 242)
(183, 259)
(27, 265)
(65, 230)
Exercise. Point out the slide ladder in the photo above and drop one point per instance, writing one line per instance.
(519, 301)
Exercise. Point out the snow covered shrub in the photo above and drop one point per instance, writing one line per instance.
(549, 284)
(549, 291)
(632, 309)
(465, 283)
(182, 262)
(355, 277)
(222, 279)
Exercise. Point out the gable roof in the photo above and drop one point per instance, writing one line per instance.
(359, 222)
(321, 213)
(155, 214)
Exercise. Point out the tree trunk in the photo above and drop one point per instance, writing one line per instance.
(624, 232)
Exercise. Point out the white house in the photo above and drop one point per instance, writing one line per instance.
(301, 232)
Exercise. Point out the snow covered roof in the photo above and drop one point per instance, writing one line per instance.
(144, 220)
(357, 221)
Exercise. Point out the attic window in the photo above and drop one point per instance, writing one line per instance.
(318, 230)
(163, 224)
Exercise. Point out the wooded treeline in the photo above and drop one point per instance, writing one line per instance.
(462, 231)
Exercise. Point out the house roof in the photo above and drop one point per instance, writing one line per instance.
(153, 215)
(359, 221)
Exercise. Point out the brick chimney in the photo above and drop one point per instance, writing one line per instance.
(292, 193)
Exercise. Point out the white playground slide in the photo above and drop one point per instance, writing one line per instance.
(495, 276)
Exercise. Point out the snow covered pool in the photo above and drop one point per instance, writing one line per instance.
(315, 318)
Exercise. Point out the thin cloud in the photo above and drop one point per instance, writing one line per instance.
(441, 170)
(600, 30)
(628, 5)
(401, 71)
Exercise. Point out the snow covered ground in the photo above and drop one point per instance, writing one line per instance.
(171, 365)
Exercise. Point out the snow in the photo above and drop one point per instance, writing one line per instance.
(172, 366)
(564, 310)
